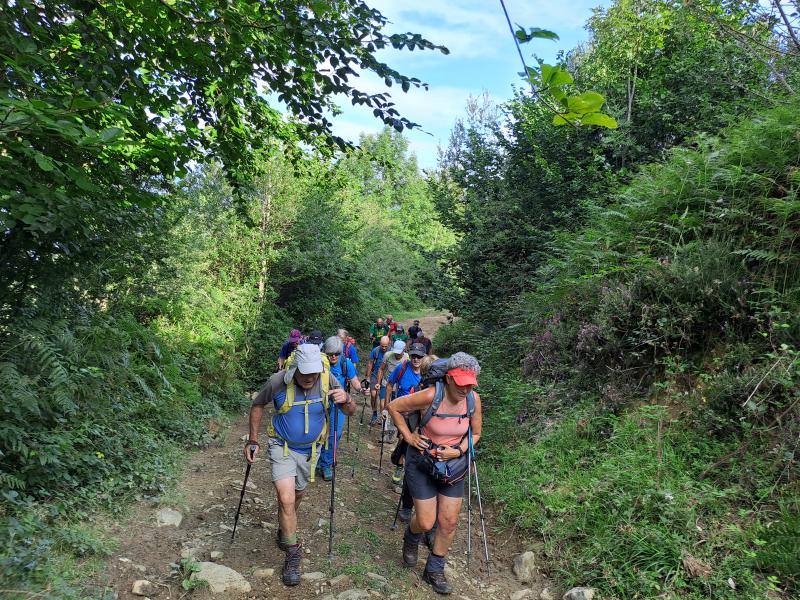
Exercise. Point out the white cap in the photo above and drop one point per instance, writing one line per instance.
(399, 347)
(307, 359)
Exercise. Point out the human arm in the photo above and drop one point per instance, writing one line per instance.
(352, 375)
(419, 401)
(341, 398)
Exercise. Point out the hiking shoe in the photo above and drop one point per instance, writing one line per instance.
(437, 580)
(410, 553)
(373, 419)
(397, 478)
(291, 566)
(327, 473)
(404, 515)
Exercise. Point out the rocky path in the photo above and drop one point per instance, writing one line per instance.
(366, 561)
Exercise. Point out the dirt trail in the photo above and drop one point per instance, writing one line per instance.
(366, 550)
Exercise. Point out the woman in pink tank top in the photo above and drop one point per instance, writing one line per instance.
(446, 432)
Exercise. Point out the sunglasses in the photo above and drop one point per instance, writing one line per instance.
(334, 355)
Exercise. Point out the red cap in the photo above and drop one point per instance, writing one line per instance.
(463, 376)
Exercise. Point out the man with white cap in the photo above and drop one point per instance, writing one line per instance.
(300, 395)
(390, 360)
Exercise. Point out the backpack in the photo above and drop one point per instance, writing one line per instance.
(418, 420)
(436, 372)
(325, 380)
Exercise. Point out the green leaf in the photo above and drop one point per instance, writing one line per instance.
(110, 134)
(565, 118)
(587, 102)
(45, 164)
(600, 119)
(534, 33)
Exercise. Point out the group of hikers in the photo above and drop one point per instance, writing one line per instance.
(425, 404)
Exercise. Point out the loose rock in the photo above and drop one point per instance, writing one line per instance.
(313, 576)
(169, 517)
(220, 578)
(546, 594)
(354, 594)
(525, 566)
(263, 573)
(340, 580)
(378, 579)
(142, 587)
(216, 555)
(520, 594)
(579, 593)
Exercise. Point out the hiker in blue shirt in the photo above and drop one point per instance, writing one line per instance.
(373, 366)
(333, 349)
(350, 349)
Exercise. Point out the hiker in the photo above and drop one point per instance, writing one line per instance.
(350, 348)
(288, 347)
(315, 337)
(376, 331)
(421, 339)
(400, 334)
(339, 366)
(300, 395)
(436, 460)
(404, 380)
(413, 330)
(376, 390)
(390, 360)
(392, 325)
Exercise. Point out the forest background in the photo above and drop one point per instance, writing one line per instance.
(632, 292)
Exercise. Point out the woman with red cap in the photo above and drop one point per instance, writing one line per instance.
(436, 459)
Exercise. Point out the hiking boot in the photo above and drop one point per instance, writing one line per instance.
(327, 473)
(437, 580)
(404, 515)
(373, 419)
(397, 478)
(410, 553)
(291, 566)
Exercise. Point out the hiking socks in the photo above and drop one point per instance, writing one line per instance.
(435, 563)
(290, 540)
(411, 537)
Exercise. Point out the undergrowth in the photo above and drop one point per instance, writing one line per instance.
(643, 401)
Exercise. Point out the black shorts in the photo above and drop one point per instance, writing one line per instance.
(425, 487)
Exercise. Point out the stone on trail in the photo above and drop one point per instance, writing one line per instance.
(520, 594)
(354, 594)
(343, 579)
(378, 579)
(191, 553)
(216, 555)
(546, 594)
(169, 517)
(313, 576)
(142, 587)
(263, 573)
(220, 578)
(579, 593)
(525, 566)
(250, 487)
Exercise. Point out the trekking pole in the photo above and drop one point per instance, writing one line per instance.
(241, 496)
(383, 431)
(480, 503)
(333, 484)
(469, 496)
(397, 510)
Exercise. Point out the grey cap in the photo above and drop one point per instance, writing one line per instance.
(420, 334)
(417, 350)
(307, 359)
(399, 347)
(333, 345)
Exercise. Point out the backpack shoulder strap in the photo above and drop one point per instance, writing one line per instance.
(402, 372)
(434, 407)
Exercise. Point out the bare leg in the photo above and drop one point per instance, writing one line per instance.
(448, 519)
(288, 501)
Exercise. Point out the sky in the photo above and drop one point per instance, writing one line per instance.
(482, 58)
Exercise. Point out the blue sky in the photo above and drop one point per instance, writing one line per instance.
(482, 57)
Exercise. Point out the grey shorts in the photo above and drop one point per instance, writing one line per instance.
(295, 465)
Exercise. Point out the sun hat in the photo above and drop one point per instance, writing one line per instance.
(417, 350)
(399, 347)
(307, 359)
(295, 335)
(463, 368)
